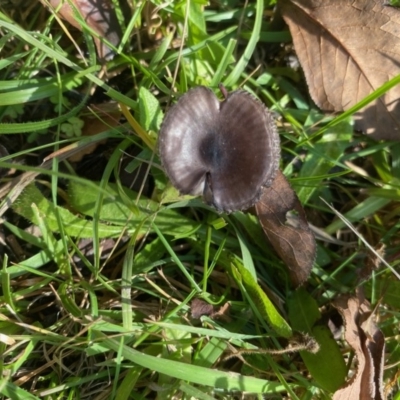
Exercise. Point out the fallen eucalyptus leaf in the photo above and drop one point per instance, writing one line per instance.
(347, 50)
(284, 222)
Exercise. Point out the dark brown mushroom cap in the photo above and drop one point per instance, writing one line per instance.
(225, 151)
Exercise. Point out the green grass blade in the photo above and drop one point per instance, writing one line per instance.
(203, 376)
(234, 76)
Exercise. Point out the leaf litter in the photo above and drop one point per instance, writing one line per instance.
(349, 49)
(368, 343)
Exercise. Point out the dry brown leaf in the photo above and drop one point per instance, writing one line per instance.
(284, 222)
(349, 48)
(368, 342)
(14, 187)
(102, 118)
(99, 15)
(199, 307)
(375, 347)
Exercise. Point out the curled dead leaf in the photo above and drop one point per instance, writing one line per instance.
(368, 342)
(284, 222)
(99, 15)
(199, 308)
(97, 119)
(347, 50)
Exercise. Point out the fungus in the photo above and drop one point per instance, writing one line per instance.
(228, 152)
(225, 151)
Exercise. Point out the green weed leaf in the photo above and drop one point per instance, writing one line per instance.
(303, 314)
(260, 299)
(151, 115)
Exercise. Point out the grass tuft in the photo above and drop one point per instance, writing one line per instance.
(101, 258)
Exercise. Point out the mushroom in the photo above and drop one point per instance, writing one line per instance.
(225, 151)
(228, 152)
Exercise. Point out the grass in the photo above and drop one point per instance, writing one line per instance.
(101, 257)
